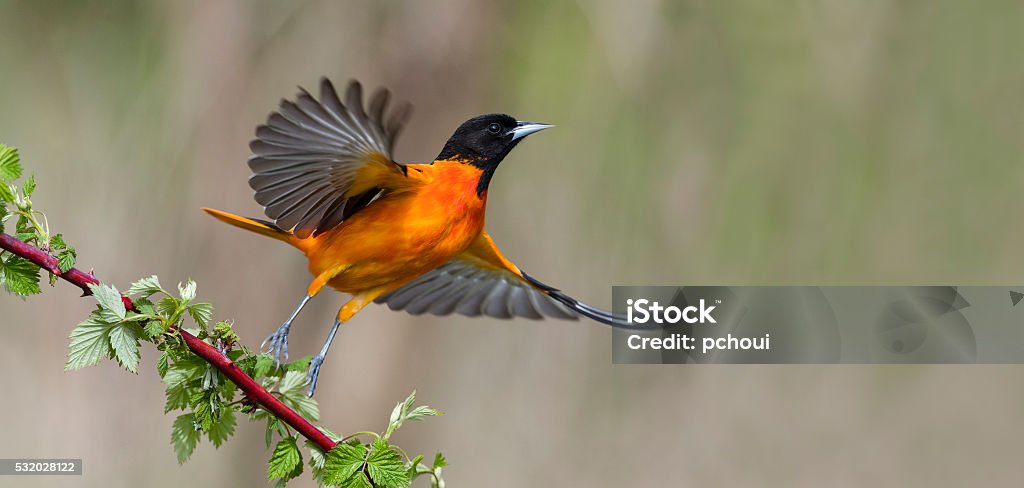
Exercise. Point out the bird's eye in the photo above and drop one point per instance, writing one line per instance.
(494, 128)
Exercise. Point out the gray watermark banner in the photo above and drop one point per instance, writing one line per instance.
(819, 324)
(29, 467)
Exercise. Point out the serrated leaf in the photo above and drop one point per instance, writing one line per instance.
(294, 395)
(286, 461)
(145, 286)
(184, 437)
(398, 413)
(316, 462)
(439, 461)
(29, 186)
(6, 192)
(222, 429)
(89, 343)
(264, 362)
(124, 340)
(178, 392)
(301, 364)
(202, 408)
(167, 306)
(358, 481)
(187, 292)
(154, 328)
(421, 411)
(109, 298)
(272, 426)
(161, 365)
(404, 411)
(66, 259)
(23, 228)
(201, 313)
(19, 276)
(316, 456)
(10, 163)
(57, 242)
(385, 466)
(344, 461)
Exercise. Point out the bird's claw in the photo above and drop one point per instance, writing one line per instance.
(278, 342)
(314, 371)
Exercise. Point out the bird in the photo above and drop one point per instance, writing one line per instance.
(410, 236)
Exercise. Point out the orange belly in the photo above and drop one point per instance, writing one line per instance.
(403, 235)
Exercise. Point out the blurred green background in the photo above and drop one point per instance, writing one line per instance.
(698, 142)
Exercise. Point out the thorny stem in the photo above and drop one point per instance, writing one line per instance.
(207, 352)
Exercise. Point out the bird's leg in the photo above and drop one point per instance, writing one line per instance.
(314, 365)
(350, 308)
(278, 341)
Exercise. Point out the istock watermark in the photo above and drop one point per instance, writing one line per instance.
(810, 324)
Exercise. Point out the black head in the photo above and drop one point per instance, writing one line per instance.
(485, 140)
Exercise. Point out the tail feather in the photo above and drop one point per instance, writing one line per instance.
(258, 226)
(593, 313)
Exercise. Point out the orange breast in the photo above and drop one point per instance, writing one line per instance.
(403, 235)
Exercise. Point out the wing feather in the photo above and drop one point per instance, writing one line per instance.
(312, 154)
(477, 282)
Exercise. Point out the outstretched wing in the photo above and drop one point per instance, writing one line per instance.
(316, 162)
(480, 281)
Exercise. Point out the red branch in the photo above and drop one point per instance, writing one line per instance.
(210, 354)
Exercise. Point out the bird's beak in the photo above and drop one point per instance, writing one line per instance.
(524, 129)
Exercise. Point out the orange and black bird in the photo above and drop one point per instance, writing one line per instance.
(408, 235)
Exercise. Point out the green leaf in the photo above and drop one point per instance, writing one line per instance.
(167, 306)
(256, 366)
(187, 292)
(293, 394)
(386, 467)
(440, 461)
(154, 328)
(264, 362)
(89, 343)
(316, 462)
(202, 403)
(7, 193)
(222, 429)
(19, 276)
(23, 227)
(404, 411)
(273, 423)
(301, 364)
(109, 299)
(201, 313)
(161, 365)
(10, 163)
(179, 380)
(421, 411)
(145, 286)
(286, 461)
(29, 186)
(66, 259)
(343, 462)
(184, 436)
(124, 339)
(358, 481)
(145, 306)
(57, 242)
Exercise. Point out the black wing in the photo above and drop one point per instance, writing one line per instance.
(311, 154)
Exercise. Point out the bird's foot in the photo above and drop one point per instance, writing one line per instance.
(278, 342)
(314, 371)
